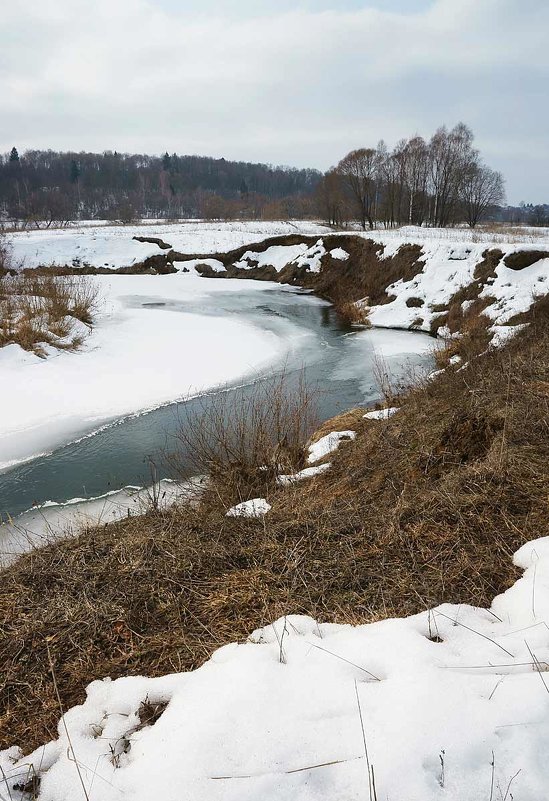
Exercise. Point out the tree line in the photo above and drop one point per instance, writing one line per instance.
(437, 182)
(43, 187)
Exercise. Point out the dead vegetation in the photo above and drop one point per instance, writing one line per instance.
(38, 310)
(425, 507)
(242, 439)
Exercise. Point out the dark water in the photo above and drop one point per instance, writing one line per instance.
(337, 361)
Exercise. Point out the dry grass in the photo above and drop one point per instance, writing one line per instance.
(423, 508)
(45, 309)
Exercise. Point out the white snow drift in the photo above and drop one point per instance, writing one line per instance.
(256, 507)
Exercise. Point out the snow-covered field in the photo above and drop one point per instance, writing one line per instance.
(136, 358)
(452, 704)
(488, 236)
(113, 246)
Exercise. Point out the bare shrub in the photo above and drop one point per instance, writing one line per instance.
(243, 438)
(353, 313)
(384, 380)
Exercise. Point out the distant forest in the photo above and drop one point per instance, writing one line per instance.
(44, 187)
(438, 182)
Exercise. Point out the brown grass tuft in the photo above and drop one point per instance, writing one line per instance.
(43, 309)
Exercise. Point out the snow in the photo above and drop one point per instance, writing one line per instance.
(501, 334)
(190, 264)
(312, 257)
(439, 280)
(514, 291)
(447, 269)
(136, 358)
(51, 520)
(328, 444)
(256, 507)
(113, 246)
(339, 253)
(381, 414)
(307, 472)
(277, 256)
(450, 704)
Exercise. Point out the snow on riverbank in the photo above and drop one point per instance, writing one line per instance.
(50, 521)
(447, 268)
(113, 246)
(137, 357)
(448, 704)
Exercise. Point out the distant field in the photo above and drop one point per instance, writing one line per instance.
(101, 244)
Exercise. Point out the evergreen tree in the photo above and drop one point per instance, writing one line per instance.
(75, 172)
(14, 155)
(166, 161)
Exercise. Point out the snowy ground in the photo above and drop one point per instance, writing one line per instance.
(113, 246)
(136, 358)
(450, 267)
(451, 704)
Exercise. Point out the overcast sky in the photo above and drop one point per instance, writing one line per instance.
(298, 83)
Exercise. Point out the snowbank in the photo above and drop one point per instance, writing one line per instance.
(49, 521)
(307, 472)
(381, 414)
(279, 256)
(448, 704)
(449, 268)
(514, 291)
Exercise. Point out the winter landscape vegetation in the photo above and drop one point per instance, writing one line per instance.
(274, 440)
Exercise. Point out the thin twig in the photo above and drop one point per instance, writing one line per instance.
(56, 688)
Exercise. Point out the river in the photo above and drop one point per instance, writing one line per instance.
(338, 362)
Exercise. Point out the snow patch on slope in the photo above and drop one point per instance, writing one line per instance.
(328, 444)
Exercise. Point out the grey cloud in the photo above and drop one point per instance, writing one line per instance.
(298, 87)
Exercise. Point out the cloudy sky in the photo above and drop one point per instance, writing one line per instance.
(297, 83)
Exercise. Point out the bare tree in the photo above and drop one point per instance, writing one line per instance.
(416, 171)
(451, 155)
(481, 188)
(331, 200)
(359, 172)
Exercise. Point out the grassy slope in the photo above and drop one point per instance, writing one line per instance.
(424, 508)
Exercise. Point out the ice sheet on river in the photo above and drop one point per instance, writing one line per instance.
(138, 357)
